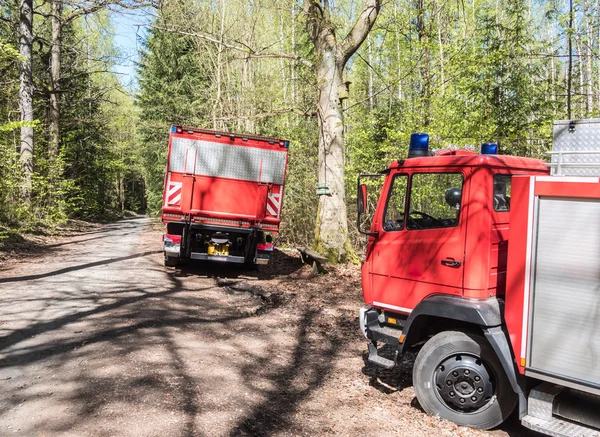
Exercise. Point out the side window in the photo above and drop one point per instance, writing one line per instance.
(502, 185)
(394, 210)
(435, 200)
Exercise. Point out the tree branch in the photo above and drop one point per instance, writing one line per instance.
(272, 113)
(314, 17)
(134, 4)
(360, 30)
(249, 51)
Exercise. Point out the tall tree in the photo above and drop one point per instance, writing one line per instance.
(26, 96)
(332, 55)
(55, 66)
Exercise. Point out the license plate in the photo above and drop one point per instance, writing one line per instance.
(218, 258)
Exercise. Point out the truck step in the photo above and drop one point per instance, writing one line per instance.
(557, 427)
(548, 402)
(380, 361)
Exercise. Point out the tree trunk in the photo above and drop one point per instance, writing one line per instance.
(371, 98)
(440, 42)
(55, 60)
(217, 104)
(331, 232)
(332, 225)
(26, 97)
(293, 75)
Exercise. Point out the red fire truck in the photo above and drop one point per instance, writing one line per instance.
(491, 266)
(222, 196)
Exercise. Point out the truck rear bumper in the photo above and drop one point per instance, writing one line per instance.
(171, 250)
(218, 258)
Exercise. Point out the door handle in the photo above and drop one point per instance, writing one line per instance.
(451, 263)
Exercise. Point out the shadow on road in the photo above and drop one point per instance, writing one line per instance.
(281, 264)
(167, 348)
(292, 384)
(78, 267)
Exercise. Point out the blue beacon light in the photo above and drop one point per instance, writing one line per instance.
(419, 145)
(489, 149)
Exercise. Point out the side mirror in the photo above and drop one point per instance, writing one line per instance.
(362, 199)
(364, 217)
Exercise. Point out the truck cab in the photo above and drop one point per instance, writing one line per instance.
(435, 263)
(441, 228)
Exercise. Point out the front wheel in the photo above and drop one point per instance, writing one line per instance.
(458, 377)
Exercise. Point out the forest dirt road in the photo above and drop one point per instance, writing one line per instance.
(97, 338)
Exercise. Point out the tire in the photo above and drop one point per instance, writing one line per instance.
(171, 262)
(458, 377)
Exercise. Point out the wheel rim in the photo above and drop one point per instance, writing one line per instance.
(464, 383)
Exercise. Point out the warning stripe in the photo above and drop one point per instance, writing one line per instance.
(274, 204)
(173, 193)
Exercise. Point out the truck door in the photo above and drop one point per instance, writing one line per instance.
(420, 245)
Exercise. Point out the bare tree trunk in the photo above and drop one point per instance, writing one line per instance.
(332, 222)
(370, 51)
(282, 65)
(26, 97)
(55, 66)
(553, 69)
(598, 41)
(219, 73)
(570, 64)
(589, 106)
(442, 78)
(398, 52)
(293, 53)
(332, 219)
(578, 48)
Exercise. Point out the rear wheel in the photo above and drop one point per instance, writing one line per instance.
(458, 377)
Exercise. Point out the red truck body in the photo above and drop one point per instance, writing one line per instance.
(522, 264)
(492, 268)
(223, 192)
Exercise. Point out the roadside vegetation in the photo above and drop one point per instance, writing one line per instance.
(76, 144)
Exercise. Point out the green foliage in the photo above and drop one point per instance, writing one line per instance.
(93, 174)
(11, 210)
(173, 84)
(187, 80)
(464, 73)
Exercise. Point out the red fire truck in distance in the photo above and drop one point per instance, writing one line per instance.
(492, 266)
(222, 196)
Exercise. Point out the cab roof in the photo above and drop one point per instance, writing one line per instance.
(463, 158)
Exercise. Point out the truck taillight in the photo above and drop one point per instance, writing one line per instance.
(167, 238)
(264, 246)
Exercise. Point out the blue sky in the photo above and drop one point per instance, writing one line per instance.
(129, 30)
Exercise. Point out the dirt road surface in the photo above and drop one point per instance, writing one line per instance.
(97, 338)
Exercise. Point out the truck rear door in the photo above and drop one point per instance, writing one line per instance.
(227, 179)
(421, 242)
